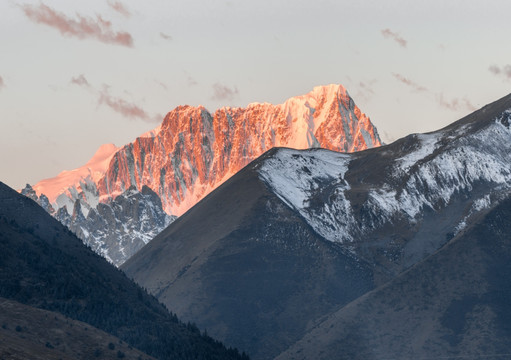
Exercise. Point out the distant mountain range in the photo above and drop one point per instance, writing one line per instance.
(191, 153)
(394, 252)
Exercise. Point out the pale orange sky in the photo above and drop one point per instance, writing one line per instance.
(75, 75)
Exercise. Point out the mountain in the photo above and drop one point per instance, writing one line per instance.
(31, 333)
(191, 153)
(194, 151)
(43, 265)
(454, 304)
(298, 233)
(116, 228)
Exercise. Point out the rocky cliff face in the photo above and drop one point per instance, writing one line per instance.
(115, 229)
(194, 151)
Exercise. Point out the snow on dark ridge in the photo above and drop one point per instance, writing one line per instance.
(431, 170)
(297, 178)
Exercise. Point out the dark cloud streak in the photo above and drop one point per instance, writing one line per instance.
(80, 81)
(223, 92)
(81, 27)
(120, 8)
(165, 36)
(453, 104)
(505, 71)
(389, 34)
(121, 106)
(410, 83)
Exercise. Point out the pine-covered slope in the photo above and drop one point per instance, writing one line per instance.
(42, 264)
(31, 333)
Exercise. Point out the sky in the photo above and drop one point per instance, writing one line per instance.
(78, 74)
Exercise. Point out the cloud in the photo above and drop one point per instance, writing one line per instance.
(389, 34)
(80, 81)
(2, 83)
(191, 81)
(161, 84)
(165, 36)
(120, 8)
(505, 71)
(125, 108)
(223, 92)
(81, 27)
(410, 83)
(455, 103)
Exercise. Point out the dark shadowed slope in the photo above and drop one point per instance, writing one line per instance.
(297, 233)
(43, 265)
(30, 333)
(454, 304)
(247, 268)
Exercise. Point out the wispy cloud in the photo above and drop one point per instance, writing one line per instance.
(223, 92)
(191, 81)
(124, 107)
(161, 84)
(389, 34)
(455, 103)
(165, 36)
(80, 81)
(2, 83)
(410, 83)
(80, 27)
(504, 71)
(120, 8)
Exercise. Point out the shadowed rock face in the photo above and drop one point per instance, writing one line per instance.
(302, 232)
(117, 228)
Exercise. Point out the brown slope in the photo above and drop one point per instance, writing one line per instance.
(247, 268)
(453, 304)
(30, 333)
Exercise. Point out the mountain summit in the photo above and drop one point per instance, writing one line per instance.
(190, 154)
(194, 151)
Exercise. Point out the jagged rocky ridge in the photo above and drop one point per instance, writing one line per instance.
(385, 209)
(194, 151)
(186, 157)
(117, 228)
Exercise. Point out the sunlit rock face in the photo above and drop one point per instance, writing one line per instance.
(194, 151)
(186, 157)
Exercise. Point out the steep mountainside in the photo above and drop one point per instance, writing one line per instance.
(42, 264)
(384, 209)
(248, 269)
(454, 304)
(35, 334)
